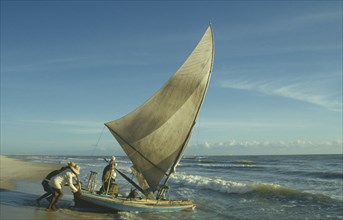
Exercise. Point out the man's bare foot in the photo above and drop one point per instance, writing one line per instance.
(51, 209)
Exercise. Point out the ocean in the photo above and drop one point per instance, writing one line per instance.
(237, 187)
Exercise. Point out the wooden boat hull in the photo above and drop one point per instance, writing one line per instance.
(94, 202)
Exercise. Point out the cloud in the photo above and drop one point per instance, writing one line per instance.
(47, 64)
(69, 126)
(250, 125)
(314, 91)
(267, 147)
(76, 62)
(288, 23)
(315, 17)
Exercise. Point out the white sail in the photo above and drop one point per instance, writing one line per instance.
(155, 134)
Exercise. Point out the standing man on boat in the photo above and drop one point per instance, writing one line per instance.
(108, 175)
(63, 178)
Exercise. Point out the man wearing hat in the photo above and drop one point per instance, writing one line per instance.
(63, 178)
(46, 186)
(108, 175)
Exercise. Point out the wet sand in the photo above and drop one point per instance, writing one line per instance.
(20, 184)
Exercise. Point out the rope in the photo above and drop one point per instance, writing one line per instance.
(97, 143)
(125, 186)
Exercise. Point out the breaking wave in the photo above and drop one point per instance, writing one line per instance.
(220, 185)
(231, 187)
(218, 165)
(246, 162)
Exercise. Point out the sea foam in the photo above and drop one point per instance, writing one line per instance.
(216, 184)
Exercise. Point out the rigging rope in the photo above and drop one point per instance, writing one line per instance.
(97, 143)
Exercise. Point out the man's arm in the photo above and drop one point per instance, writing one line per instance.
(70, 182)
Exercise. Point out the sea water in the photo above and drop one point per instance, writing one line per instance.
(236, 187)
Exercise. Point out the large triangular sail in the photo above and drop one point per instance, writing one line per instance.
(155, 134)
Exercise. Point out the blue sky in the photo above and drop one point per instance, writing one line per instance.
(69, 66)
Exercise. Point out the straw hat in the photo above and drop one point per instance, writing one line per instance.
(74, 167)
(71, 164)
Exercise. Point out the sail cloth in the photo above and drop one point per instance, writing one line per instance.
(153, 135)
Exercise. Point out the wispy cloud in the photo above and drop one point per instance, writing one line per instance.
(69, 126)
(315, 17)
(257, 125)
(76, 62)
(311, 91)
(288, 23)
(304, 20)
(65, 122)
(46, 64)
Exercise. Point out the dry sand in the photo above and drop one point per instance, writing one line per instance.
(20, 184)
(12, 170)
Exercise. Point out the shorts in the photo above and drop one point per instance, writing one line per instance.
(47, 187)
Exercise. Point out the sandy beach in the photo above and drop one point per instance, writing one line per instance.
(13, 170)
(19, 181)
(20, 184)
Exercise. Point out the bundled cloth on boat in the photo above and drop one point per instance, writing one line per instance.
(113, 189)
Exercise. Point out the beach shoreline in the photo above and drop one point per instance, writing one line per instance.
(20, 186)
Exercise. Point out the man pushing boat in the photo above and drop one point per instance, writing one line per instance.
(61, 179)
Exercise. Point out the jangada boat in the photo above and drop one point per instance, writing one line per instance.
(155, 135)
